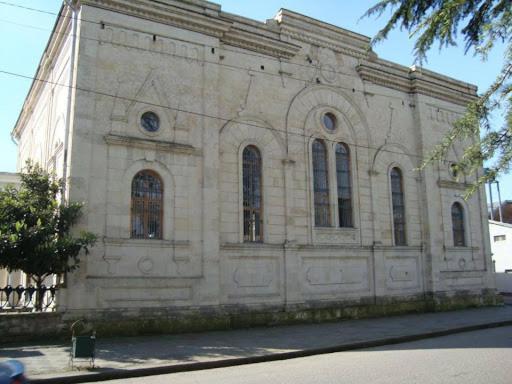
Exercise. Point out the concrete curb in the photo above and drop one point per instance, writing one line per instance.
(175, 368)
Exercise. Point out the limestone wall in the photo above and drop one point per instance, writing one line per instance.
(218, 83)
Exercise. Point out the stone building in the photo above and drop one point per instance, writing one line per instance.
(230, 166)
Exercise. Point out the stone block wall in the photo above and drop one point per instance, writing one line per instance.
(218, 83)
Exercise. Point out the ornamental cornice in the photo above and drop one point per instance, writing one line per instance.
(228, 29)
(311, 31)
(416, 81)
(258, 43)
(157, 145)
(453, 185)
(167, 14)
(304, 36)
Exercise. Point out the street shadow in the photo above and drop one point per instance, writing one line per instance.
(19, 354)
(187, 348)
(121, 353)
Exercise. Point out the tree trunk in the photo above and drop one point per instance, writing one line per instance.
(38, 303)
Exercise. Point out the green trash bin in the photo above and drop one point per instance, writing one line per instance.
(82, 346)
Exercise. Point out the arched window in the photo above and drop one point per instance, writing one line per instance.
(147, 206)
(253, 208)
(397, 197)
(459, 239)
(321, 184)
(344, 185)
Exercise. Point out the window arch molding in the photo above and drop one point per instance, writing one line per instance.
(252, 187)
(322, 199)
(382, 162)
(265, 154)
(147, 206)
(235, 135)
(406, 210)
(324, 96)
(343, 167)
(330, 144)
(466, 222)
(168, 214)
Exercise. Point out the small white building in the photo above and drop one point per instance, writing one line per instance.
(501, 245)
(7, 178)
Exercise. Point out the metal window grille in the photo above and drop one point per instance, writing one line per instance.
(321, 185)
(252, 195)
(344, 185)
(397, 192)
(147, 203)
(459, 239)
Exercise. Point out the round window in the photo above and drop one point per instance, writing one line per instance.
(329, 121)
(150, 121)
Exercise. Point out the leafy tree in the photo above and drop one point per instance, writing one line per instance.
(482, 23)
(35, 228)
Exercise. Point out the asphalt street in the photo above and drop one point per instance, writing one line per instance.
(473, 357)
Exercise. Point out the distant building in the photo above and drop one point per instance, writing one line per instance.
(506, 212)
(7, 178)
(501, 245)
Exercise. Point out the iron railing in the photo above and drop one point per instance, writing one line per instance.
(27, 299)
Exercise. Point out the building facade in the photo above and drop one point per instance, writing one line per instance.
(229, 165)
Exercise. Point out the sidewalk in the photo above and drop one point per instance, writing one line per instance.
(139, 356)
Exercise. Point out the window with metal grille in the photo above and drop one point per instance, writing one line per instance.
(344, 185)
(397, 198)
(459, 239)
(252, 199)
(321, 184)
(147, 206)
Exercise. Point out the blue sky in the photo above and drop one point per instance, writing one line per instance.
(21, 48)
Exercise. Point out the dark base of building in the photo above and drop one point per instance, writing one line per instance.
(16, 327)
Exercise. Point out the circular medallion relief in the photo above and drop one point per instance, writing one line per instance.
(145, 265)
(329, 121)
(329, 73)
(150, 121)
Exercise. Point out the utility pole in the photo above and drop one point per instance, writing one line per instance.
(490, 183)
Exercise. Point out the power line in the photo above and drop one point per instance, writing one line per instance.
(13, 74)
(3, 2)
(102, 24)
(27, 8)
(231, 66)
(306, 81)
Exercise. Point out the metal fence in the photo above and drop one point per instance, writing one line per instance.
(27, 299)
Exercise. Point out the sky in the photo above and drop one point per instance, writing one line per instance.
(21, 48)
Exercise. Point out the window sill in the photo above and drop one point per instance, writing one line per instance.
(251, 245)
(459, 248)
(145, 242)
(335, 235)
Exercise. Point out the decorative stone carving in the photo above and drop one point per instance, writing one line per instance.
(255, 277)
(401, 273)
(145, 265)
(335, 235)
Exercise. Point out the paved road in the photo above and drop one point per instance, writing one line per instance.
(473, 357)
